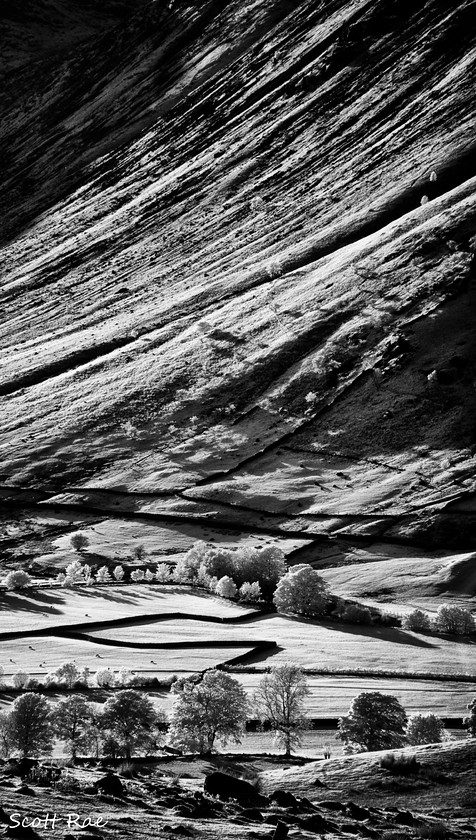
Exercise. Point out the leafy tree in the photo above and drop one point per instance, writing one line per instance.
(79, 542)
(118, 573)
(105, 677)
(6, 738)
(470, 720)
(416, 620)
(129, 716)
(149, 576)
(279, 699)
(303, 591)
(453, 619)
(20, 679)
(375, 722)
(226, 587)
(137, 575)
(76, 574)
(139, 553)
(68, 672)
(266, 566)
(103, 575)
(212, 709)
(17, 580)
(70, 722)
(250, 591)
(31, 729)
(425, 729)
(124, 676)
(163, 573)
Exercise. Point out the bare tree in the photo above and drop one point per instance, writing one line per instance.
(279, 699)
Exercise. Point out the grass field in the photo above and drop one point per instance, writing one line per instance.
(36, 609)
(314, 644)
(41, 654)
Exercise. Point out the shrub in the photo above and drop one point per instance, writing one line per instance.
(353, 613)
(453, 619)
(17, 580)
(375, 722)
(416, 620)
(137, 575)
(118, 573)
(425, 729)
(301, 591)
(149, 576)
(400, 765)
(226, 587)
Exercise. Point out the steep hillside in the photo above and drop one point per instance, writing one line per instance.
(237, 267)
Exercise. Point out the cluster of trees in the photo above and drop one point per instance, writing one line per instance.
(378, 721)
(70, 676)
(449, 618)
(208, 708)
(126, 722)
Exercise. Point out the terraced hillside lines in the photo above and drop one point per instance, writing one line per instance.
(43, 609)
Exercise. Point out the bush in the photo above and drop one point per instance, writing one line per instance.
(417, 620)
(137, 575)
(400, 765)
(20, 679)
(17, 580)
(303, 591)
(353, 614)
(456, 620)
(425, 729)
(118, 573)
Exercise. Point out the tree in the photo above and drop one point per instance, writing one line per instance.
(6, 739)
(226, 587)
(266, 566)
(453, 619)
(149, 576)
(139, 553)
(68, 672)
(416, 620)
(17, 580)
(103, 575)
(76, 574)
(375, 722)
(250, 591)
(118, 573)
(279, 699)
(20, 679)
(425, 729)
(214, 708)
(470, 720)
(124, 676)
(162, 574)
(137, 575)
(79, 542)
(105, 677)
(302, 591)
(129, 716)
(31, 730)
(70, 722)
(353, 613)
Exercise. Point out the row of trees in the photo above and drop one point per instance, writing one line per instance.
(69, 675)
(208, 708)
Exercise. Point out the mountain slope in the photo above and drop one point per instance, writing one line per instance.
(238, 266)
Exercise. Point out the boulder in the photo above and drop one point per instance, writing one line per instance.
(317, 824)
(110, 785)
(228, 787)
(252, 814)
(284, 799)
(357, 812)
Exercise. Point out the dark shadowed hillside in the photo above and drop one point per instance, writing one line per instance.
(237, 264)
